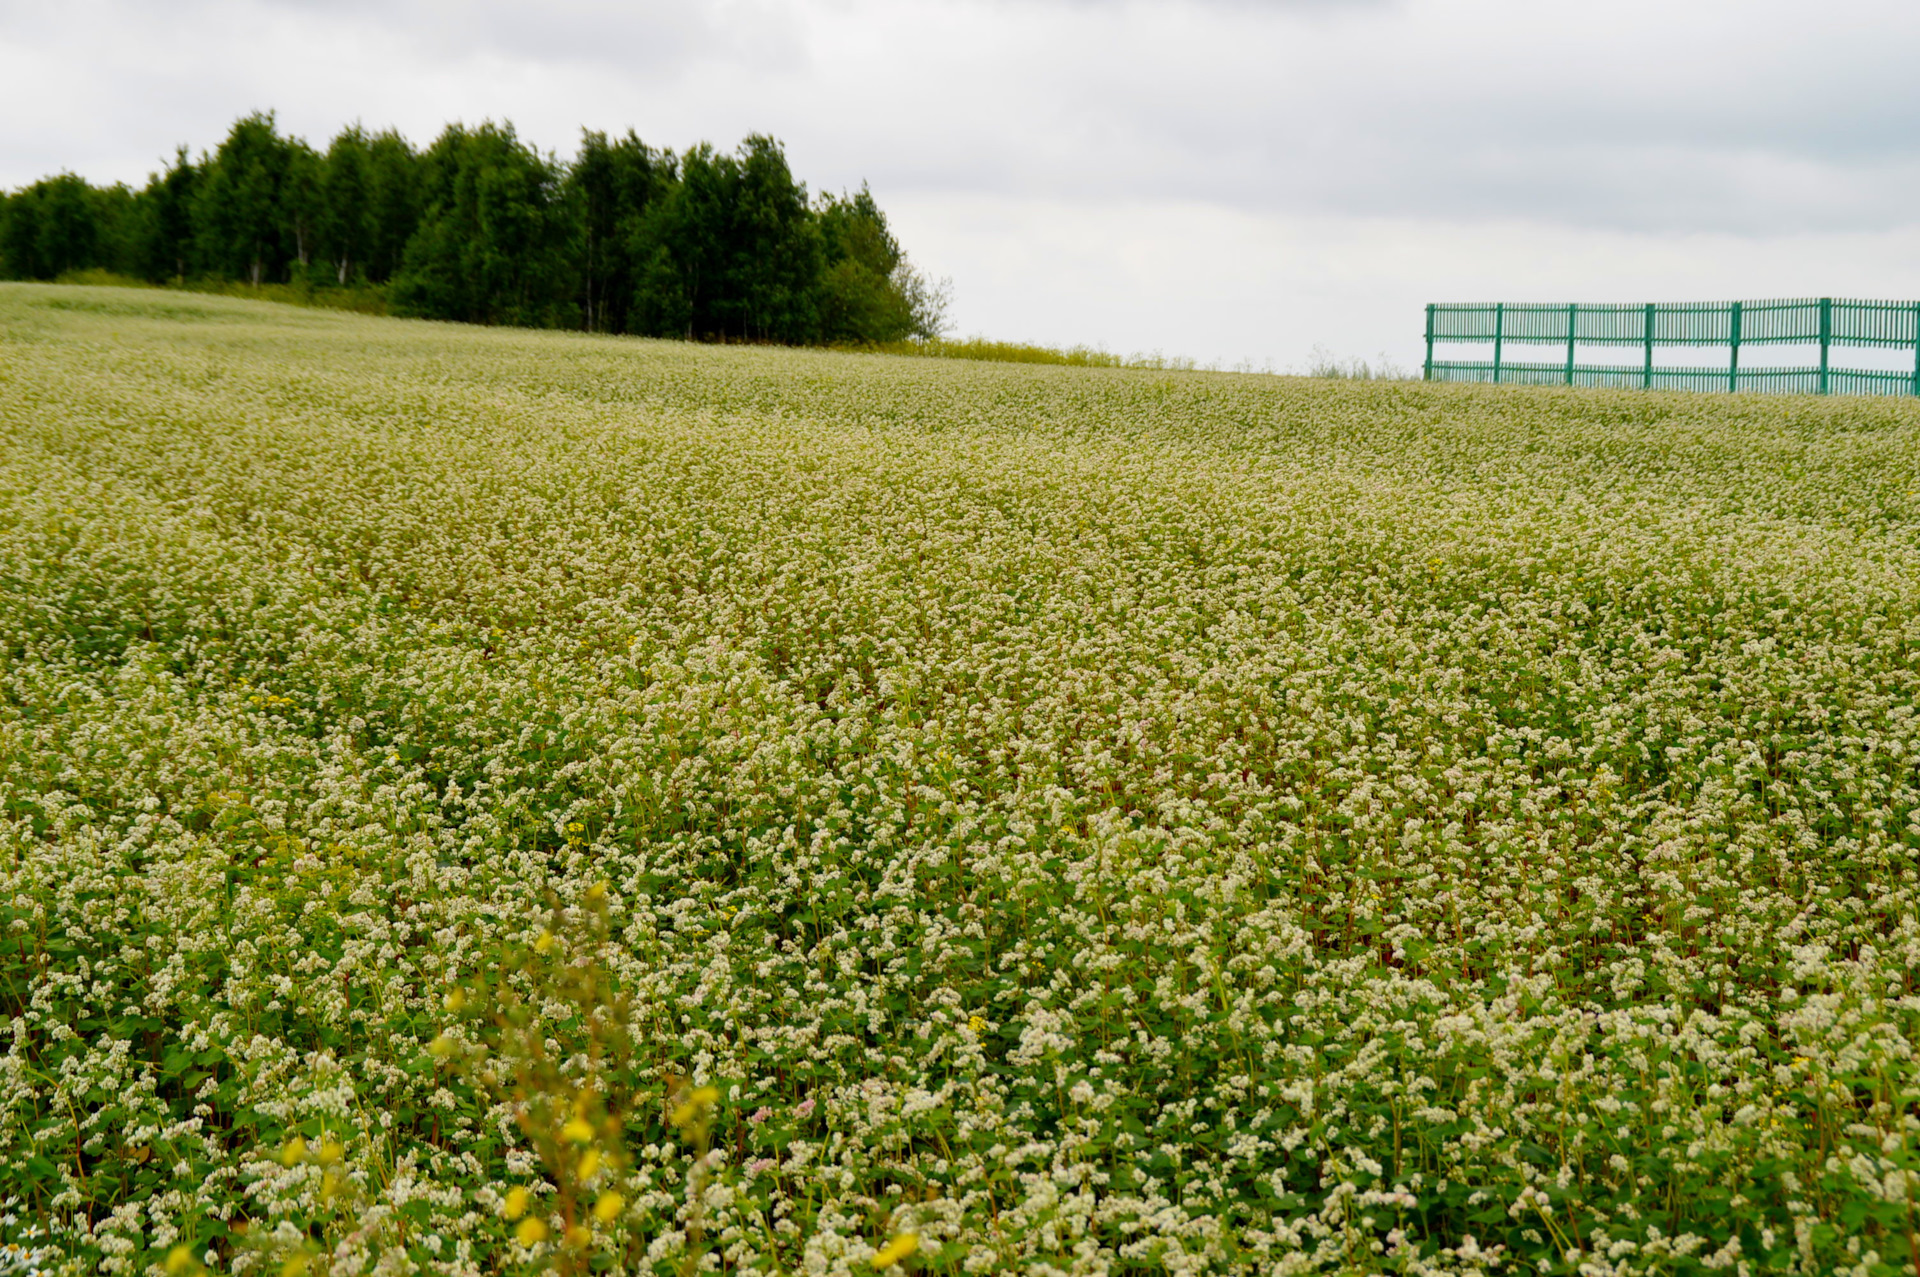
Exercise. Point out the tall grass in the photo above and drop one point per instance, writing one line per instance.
(1326, 366)
(1322, 365)
(365, 299)
(1013, 352)
(371, 299)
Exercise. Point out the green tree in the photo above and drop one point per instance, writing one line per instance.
(69, 233)
(677, 250)
(300, 200)
(613, 185)
(395, 201)
(775, 257)
(483, 228)
(117, 216)
(494, 245)
(732, 252)
(20, 233)
(345, 205)
(53, 226)
(242, 219)
(859, 299)
(367, 204)
(164, 244)
(869, 291)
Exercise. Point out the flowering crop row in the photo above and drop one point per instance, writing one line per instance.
(480, 800)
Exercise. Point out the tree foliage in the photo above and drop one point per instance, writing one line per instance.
(482, 228)
(248, 203)
(613, 187)
(493, 246)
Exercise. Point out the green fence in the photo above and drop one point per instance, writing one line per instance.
(1825, 322)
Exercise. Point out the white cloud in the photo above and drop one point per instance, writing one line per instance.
(1234, 286)
(1142, 174)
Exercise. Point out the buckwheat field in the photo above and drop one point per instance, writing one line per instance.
(488, 801)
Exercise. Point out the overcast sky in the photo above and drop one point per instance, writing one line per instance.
(1230, 180)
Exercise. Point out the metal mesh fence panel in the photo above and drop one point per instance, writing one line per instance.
(1823, 321)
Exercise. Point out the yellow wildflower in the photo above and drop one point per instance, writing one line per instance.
(695, 1109)
(896, 1250)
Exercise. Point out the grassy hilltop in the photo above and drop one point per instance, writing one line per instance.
(477, 800)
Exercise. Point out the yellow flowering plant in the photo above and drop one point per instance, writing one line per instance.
(1089, 819)
(571, 1112)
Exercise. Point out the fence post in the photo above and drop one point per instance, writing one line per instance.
(1428, 374)
(1646, 376)
(1733, 363)
(1826, 338)
(1573, 310)
(1916, 348)
(1499, 332)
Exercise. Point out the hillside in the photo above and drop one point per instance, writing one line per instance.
(472, 787)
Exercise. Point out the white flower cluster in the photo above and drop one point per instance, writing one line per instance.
(1075, 820)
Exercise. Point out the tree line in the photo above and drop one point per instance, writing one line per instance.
(483, 228)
